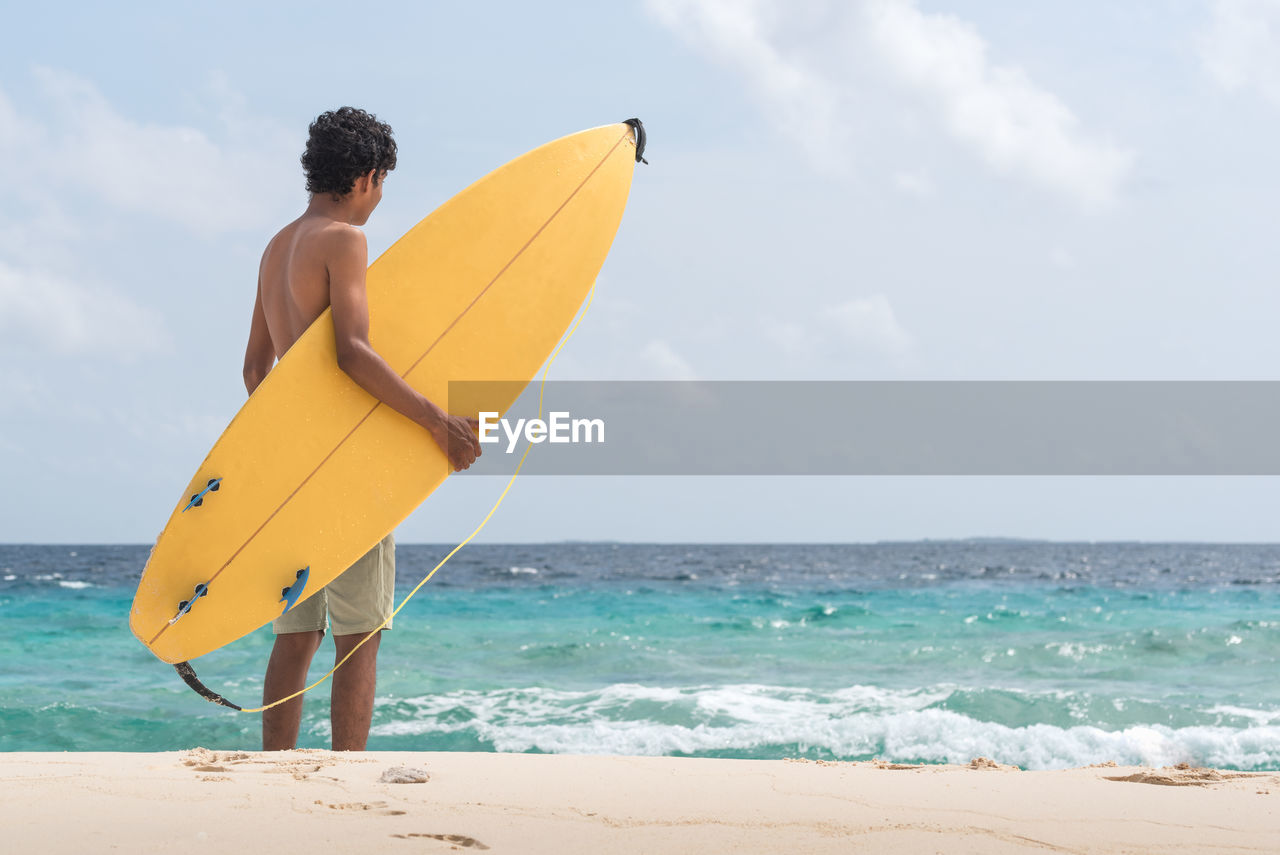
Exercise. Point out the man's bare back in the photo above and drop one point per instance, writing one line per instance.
(294, 277)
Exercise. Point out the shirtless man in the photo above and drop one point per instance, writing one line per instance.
(315, 262)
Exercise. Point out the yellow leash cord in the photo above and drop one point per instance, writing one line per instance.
(501, 496)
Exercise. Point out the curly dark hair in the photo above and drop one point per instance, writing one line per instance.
(344, 144)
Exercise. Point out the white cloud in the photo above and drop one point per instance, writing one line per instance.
(1241, 48)
(77, 170)
(915, 183)
(668, 364)
(20, 392)
(168, 170)
(741, 34)
(808, 79)
(57, 316)
(869, 323)
(864, 325)
(996, 110)
(13, 127)
(793, 339)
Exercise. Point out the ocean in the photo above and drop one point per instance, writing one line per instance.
(1035, 654)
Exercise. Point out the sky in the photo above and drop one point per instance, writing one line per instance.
(860, 190)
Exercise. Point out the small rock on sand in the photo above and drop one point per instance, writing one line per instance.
(404, 775)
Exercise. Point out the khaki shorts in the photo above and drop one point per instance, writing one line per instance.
(356, 602)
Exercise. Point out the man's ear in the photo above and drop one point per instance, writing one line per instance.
(365, 182)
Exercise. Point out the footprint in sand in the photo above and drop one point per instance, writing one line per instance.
(204, 760)
(458, 840)
(1182, 775)
(380, 808)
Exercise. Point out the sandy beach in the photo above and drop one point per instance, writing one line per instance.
(317, 801)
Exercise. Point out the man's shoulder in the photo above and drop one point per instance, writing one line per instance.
(342, 235)
(342, 248)
(318, 239)
(279, 238)
(332, 239)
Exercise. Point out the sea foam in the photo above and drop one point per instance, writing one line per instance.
(857, 723)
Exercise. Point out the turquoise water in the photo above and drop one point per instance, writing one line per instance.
(1036, 655)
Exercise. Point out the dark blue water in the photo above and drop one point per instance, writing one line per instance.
(1041, 655)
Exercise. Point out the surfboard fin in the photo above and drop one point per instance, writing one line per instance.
(185, 605)
(290, 595)
(198, 499)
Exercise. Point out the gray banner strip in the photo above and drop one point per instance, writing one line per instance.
(891, 428)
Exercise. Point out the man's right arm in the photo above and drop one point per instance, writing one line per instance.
(347, 259)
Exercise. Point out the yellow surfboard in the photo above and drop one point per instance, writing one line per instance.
(313, 471)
